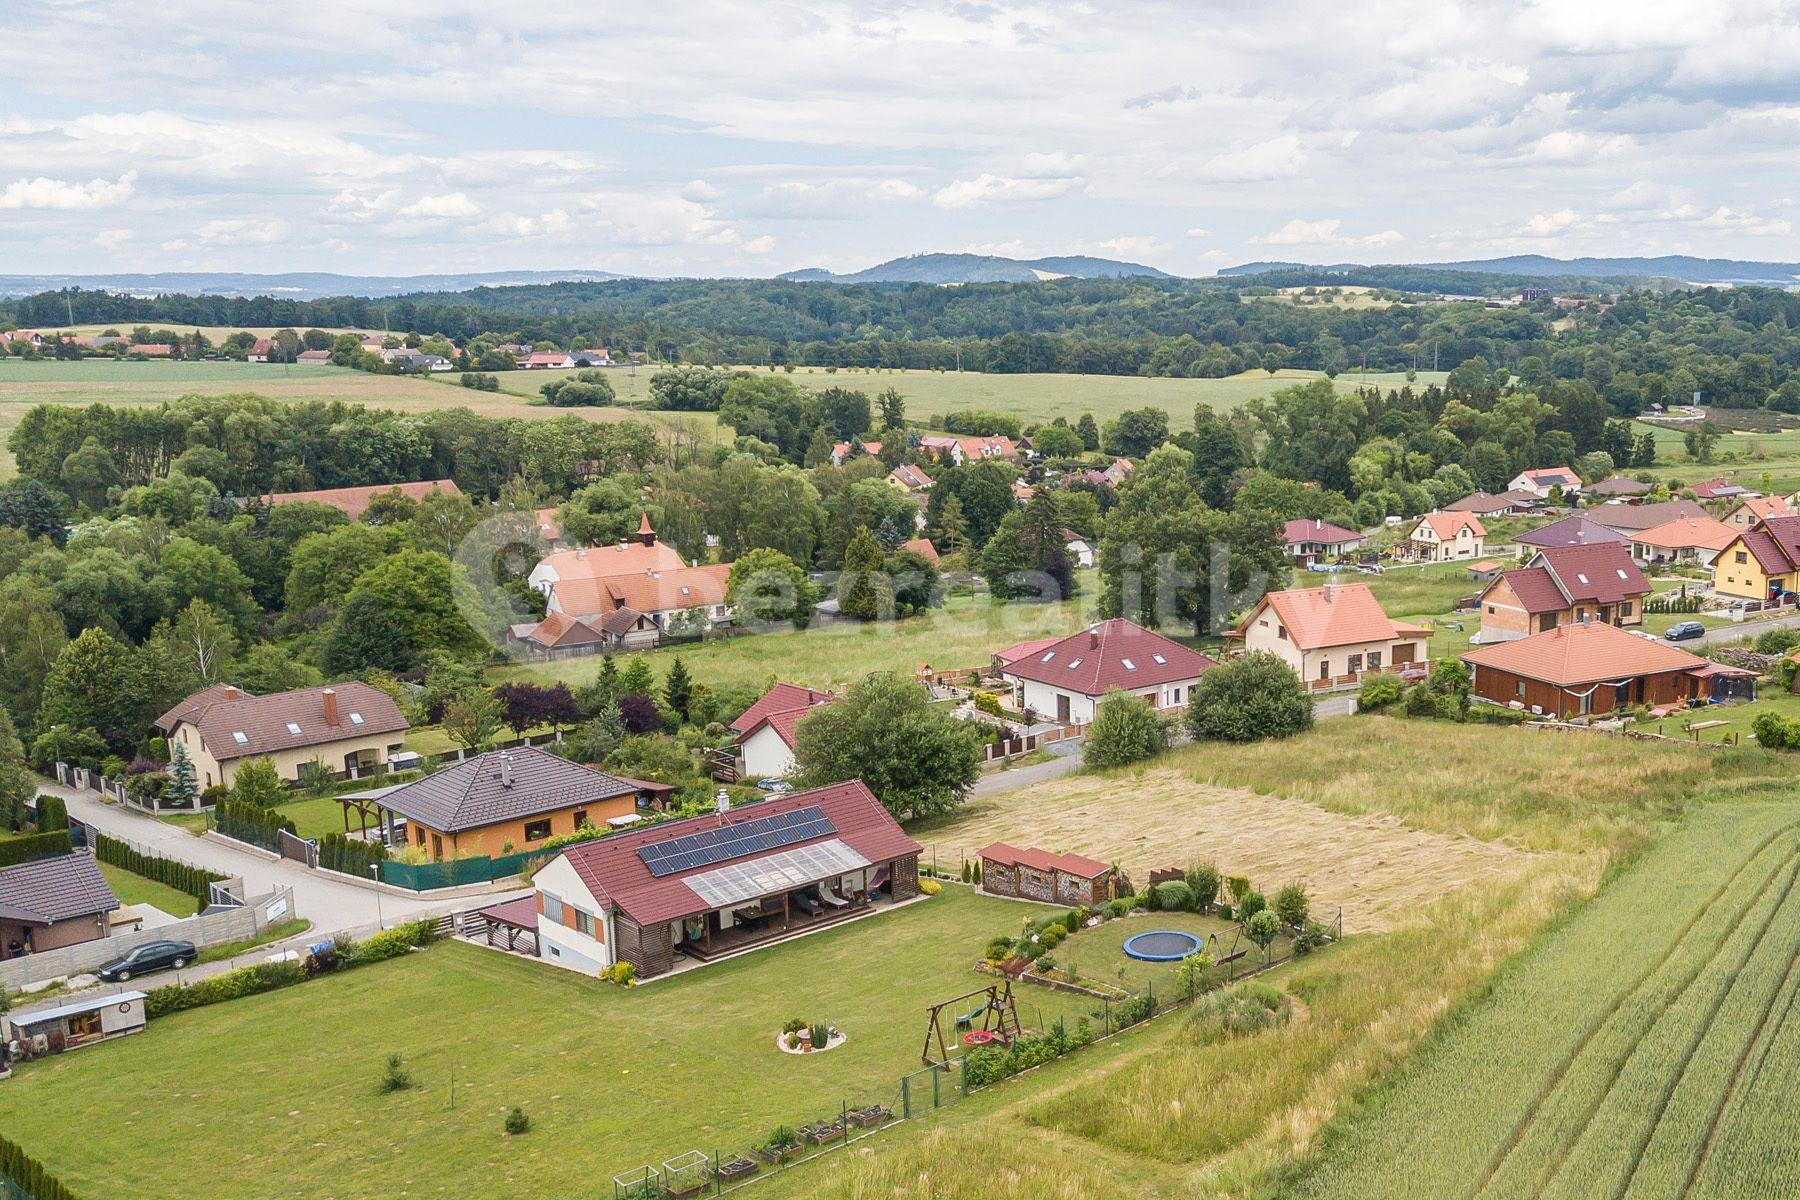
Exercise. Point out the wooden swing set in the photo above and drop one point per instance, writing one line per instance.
(997, 1013)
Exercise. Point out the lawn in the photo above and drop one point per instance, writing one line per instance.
(312, 817)
(963, 634)
(285, 1085)
(132, 888)
(1643, 1049)
(1099, 952)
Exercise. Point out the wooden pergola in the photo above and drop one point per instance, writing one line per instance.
(513, 917)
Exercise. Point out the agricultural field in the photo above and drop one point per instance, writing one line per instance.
(287, 1082)
(1755, 458)
(962, 634)
(1646, 1048)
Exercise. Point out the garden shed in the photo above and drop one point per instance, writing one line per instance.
(1039, 875)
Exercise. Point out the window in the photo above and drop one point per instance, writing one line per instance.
(238, 736)
(1490, 609)
(356, 718)
(1740, 557)
(1625, 608)
(1356, 661)
(1129, 665)
(553, 908)
(437, 846)
(1073, 663)
(537, 831)
(1159, 660)
(293, 729)
(1519, 687)
(1281, 632)
(1374, 660)
(580, 819)
(1048, 656)
(584, 922)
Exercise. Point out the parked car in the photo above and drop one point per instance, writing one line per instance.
(151, 956)
(775, 787)
(1682, 631)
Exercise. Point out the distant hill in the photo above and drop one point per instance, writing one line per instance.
(1682, 267)
(980, 268)
(290, 285)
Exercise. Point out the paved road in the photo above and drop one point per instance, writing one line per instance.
(1731, 632)
(329, 904)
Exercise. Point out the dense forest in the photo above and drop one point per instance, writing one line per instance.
(1736, 347)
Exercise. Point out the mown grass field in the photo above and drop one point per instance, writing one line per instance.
(1640, 1050)
(963, 634)
(277, 1095)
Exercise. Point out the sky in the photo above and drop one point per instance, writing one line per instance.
(707, 137)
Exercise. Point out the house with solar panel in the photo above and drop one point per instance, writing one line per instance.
(705, 887)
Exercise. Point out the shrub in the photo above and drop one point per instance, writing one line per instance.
(1262, 928)
(394, 1076)
(1379, 691)
(1246, 1009)
(622, 973)
(1204, 879)
(1778, 641)
(1247, 699)
(1310, 938)
(232, 985)
(998, 949)
(392, 943)
(821, 1035)
(1239, 885)
(1119, 907)
(930, 887)
(1074, 918)
(988, 703)
(1251, 904)
(1174, 896)
(517, 1122)
(1421, 701)
(1774, 731)
(1292, 905)
(52, 813)
(1125, 730)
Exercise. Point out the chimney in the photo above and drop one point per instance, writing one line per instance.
(646, 535)
(1093, 636)
(1330, 590)
(329, 699)
(232, 692)
(506, 779)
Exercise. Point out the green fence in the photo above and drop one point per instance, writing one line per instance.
(425, 877)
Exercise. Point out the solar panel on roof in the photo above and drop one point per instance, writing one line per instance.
(734, 841)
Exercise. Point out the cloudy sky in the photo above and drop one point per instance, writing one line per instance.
(725, 137)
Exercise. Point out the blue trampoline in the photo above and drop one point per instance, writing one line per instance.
(1162, 945)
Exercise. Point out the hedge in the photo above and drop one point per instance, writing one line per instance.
(34, 845)
(52, 813)
(29, 1174)
(270, 976)
(251, 823)
(349, 855)
(195, 881)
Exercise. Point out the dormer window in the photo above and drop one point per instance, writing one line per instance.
(356, 718)
(293, 729)
(240, 737)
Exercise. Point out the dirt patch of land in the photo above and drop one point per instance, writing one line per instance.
(1373, 865)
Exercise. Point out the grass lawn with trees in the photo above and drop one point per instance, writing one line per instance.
(610, 1077)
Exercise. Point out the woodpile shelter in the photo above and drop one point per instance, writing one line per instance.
(1592, 668)
(713, 885)
(1033, 874)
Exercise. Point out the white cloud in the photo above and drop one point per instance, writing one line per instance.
(449, 206)
(1564, 145)
(112, 239)
(988, 188)
(1197, 232)
(61, 195)
(1324, 232)
(1277, 158)
(1555, 224)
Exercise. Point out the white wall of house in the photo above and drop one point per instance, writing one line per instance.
(1082, 552)
(559, 890)
(1324, 662)
(766, 756)
(1043, 697)
(1464, 545)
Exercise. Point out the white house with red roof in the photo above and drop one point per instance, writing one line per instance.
(546, 360)
(1333, 635)
(1446, 537)
(1539, 482)
(710, 886)
(1309, 541)
(765, 730)
(1067, 679)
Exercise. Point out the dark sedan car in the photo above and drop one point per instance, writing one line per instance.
(1683, 630)
(151, 956)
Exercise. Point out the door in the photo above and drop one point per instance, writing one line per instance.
(1062, 709)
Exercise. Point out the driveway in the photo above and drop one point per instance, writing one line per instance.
(328, 903)
(1732, 631)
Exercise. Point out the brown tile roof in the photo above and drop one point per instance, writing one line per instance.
(909, 476)
(264, 721)
(1112, 654)
(1602, 574)
(46, 890)
(783, 697)
(922, 547)
(560, 629)
(1775, 544)
(1575, 530)
(1447, 524)
(1715, 489)
(1078, 865)
(1627, 518)
(1590, 652)
(1548, 476)
(1483, 502)
(1702, 533)
(188, 708)
(647, 592)
(313, 356)
(476, 792)
(625, 558)
(1340, 614)
(354, 501)
(1619, 485)
(1535, 587)
(1296, 532)
(617, 877)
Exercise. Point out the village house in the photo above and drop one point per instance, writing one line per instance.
(1758, 508)
(1575, 530)
(349, 728)
(1618, 487)
(1633, 518)
(1067, 679)
(842, 451)
(354, 501)
(1033, 874)
(922, 547)
(713, 885)
(1563, 585)
(1539, 482)
(1590, 668)
(690, 599)
(1313, 541)
(635, 557)
(1446, 537)
(260, 350)
(960, 450)
(49, 903)
(1683, 542)
(1081, 551)
(1489, 504)
(547, 360)
(1333, 635)
(498, 803)
(908, 478)
(1762, 563)
(316, 358)
(1719, 489)
(765, 733)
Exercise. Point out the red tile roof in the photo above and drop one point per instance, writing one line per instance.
(1589, 652)
(354, 501)
(1775, 543)
(1042, 860)
(1761, 508)
(1701, 533)
(560, 629)
(618, 878)
(1535, 588)
(1112, 654)
(1339, 614)
(1603, 574)
(783, 697)
(1297, 532)
(624, 558)
(922, 547)
(1447, 524)
(1020, 650)
(647, 591)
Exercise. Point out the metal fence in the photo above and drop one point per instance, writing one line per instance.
(211, 929)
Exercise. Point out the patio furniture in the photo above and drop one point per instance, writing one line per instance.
(806, 904)
(832, 898)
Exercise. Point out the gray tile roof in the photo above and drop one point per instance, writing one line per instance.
(471, 794)
(55, 889)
